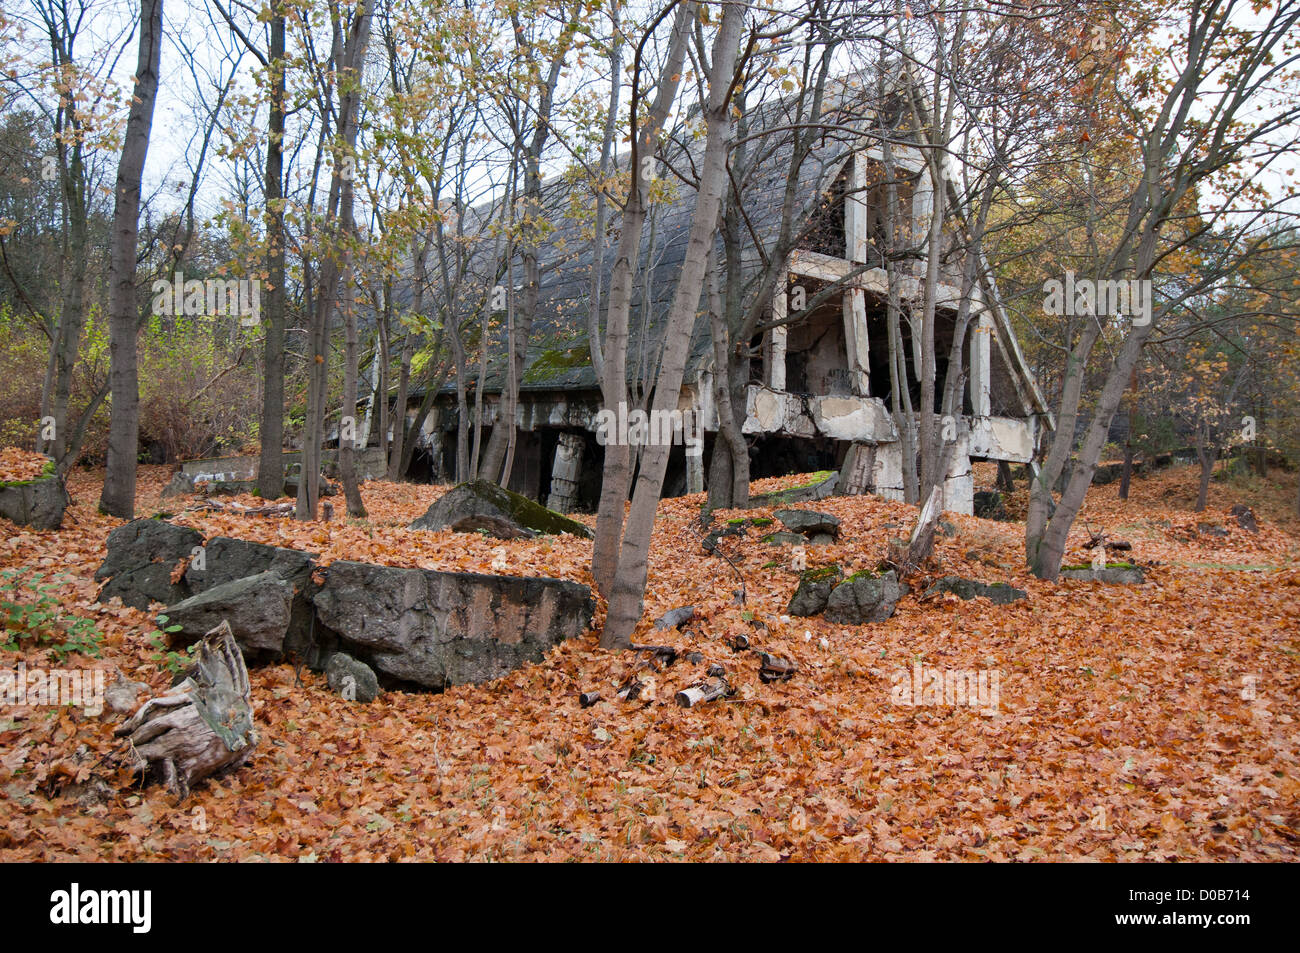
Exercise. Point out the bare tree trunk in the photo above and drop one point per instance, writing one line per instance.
(617, 475)
(270, 465)
(1206, 455)
(118, 496)
(338, 227)
(728, 469)
(385, 359)
(602, 199)
(628, 594)
(349, 106)
(1046, 559)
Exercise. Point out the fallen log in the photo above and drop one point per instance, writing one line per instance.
(774, 668)
(587, 699)
(271, 509)
(705, 692)
(201, 726)
(659, 653)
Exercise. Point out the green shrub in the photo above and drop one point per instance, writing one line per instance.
(32, 615)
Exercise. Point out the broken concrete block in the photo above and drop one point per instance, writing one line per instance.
(140, 559)
(256, 607)
(438, 629)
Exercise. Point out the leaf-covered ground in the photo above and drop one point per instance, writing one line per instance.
(1122, 732)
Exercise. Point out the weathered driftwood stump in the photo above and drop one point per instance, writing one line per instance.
(202, 725)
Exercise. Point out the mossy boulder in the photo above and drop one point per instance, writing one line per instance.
(481, 498)
(999, 593)
(809, 522)
(785, 539)
(818, 486)
(1117, 574)
(864, 598)
(814, 591)
(38, 503)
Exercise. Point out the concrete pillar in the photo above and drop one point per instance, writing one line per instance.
(981, 365)
(565, 472)
(695, 472)
(856, 476)
(776, 339)
(855, 210)
(855, 339)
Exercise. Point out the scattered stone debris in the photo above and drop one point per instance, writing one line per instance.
(1245, 517)
(181, 484)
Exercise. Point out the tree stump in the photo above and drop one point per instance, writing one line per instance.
(202, 725)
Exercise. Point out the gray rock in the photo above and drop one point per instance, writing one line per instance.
(481, 498)
(863, 598)
(36, 503)
(225, 560)
(354, 680)
(821, 539)
(492, 525)
(141, 557)
(1210, 529)
(181, 484)
(1113, 575)
(947, 529)
(675, 618)
(439, 629)
(809, 522)
(122, 696)
(999, 593)
(785, 539)
(814, 590)
(257, 608)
